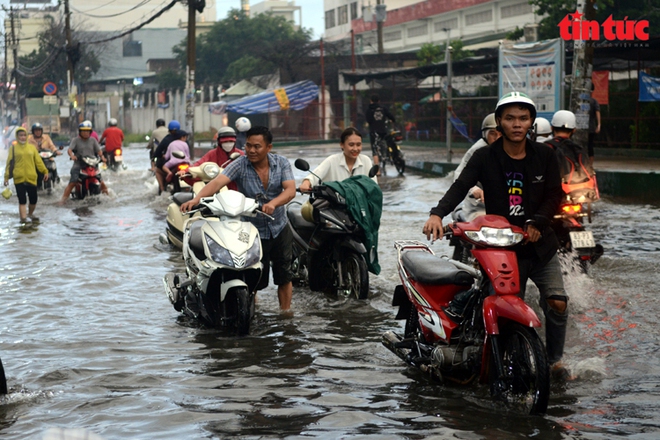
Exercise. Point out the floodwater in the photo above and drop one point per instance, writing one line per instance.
(89, 340)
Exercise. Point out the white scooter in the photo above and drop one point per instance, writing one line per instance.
(222, 253)
(175, 219)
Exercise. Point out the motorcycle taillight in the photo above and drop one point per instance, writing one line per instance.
(571, 209)
(183, 166)
(118, 152)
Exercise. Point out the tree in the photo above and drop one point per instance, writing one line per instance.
(49, 63)
(241, 45)
(556, 10)
(431, 53)
(170, 79)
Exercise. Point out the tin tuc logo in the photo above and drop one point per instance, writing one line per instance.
(620, 30)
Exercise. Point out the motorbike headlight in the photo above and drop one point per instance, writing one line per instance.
(253, 254)
(495, 236)
(211, 170)
(218, 253)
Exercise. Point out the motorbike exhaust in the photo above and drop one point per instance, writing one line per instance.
(446, 357)
(390, 341)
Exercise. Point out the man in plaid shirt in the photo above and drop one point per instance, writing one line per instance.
(268, 178)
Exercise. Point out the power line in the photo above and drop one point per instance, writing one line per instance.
(141, 25)
(142, 3)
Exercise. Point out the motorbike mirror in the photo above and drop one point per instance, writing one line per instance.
(301, 164)
(374, 170)
(234, 155)
(61, 147)
(178, 154)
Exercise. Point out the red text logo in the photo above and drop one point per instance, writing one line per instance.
(620, 30)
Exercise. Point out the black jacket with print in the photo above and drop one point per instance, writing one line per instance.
(542, 184)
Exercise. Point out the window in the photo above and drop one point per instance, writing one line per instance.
(391, 36)
(342, 12)
(330, 19)
(440, 26)
(479, 17)
(417, 31)
(515, 10)
(354, 14)
(132, 48)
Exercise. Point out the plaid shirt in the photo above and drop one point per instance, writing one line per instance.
(243, 173)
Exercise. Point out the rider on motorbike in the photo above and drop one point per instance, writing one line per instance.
(43, 142)
(178, 144)
(473, 205)
(340, 166)
(40, 140)
(172, 127)
(542, 130)
(576, 177)
(220, 155)
(156, 137)
(521, 183)
(113, 137)
(81, 146)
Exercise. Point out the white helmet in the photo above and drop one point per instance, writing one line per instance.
(226, 131)
(542, 127)
(112, 122)
(489, 122)
(564, 119)
(515, 98)
(243, 124)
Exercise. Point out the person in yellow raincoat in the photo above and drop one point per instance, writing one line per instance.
(26, 163)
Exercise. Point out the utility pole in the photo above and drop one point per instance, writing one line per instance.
(69, 60)
(448, 50)
(14, 51)
(381, 15)
(190, 74)
(583, 57)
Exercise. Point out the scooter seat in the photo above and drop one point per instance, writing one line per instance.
(182, 197)
(297, 220)
(427, 268)
(196, 241)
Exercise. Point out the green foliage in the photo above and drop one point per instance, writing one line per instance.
(556, 10)
(263, 44)
(431, 53)
(86, 62)
(170, 79)
(515, 34)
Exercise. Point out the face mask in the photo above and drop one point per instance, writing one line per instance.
(228, 146)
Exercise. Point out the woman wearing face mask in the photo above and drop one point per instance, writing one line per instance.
(220, 155)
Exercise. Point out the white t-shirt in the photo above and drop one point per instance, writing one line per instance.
(335, 169)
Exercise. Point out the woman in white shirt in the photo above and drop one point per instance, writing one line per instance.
(340, 166)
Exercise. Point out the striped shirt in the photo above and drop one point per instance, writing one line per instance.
(243, 173)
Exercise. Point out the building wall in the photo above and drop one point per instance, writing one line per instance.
(279, 8)
(479, 23)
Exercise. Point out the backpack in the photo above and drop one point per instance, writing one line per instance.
(577, 181)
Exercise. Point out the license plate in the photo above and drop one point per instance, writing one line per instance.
(582, 239)
(118, 158)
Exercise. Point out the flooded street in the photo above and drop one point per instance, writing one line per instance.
(88, 338)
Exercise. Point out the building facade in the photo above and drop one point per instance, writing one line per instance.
(478, 23)
(279, 8)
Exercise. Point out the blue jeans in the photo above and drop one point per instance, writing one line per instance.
(548, 279)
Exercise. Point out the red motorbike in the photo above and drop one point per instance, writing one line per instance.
(89, 181)
(491, 336)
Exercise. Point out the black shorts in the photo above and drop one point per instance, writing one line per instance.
(25, 190)
(279, 251)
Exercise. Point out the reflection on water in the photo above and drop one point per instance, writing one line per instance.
(89, 339)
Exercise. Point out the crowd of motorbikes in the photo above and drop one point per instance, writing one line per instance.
(496, 342)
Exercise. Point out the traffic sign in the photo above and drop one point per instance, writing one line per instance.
(50, 88)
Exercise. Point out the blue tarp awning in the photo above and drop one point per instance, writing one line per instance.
(297, 96)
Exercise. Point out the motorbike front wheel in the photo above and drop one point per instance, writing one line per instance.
(525, 385)
(354, 276)
(239, 308)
